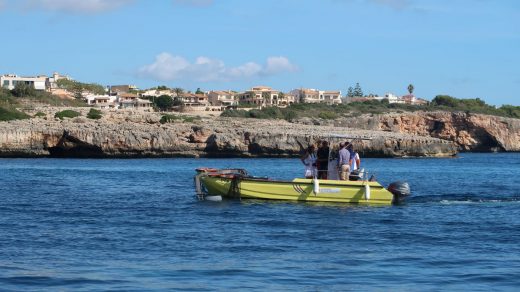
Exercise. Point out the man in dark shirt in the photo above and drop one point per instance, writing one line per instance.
(323, 160)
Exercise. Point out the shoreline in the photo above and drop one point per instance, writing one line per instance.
(124, 134)
(144, 137)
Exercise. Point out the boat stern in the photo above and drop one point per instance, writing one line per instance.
(400, 190)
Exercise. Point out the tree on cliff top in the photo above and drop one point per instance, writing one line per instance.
(164, 102)
(350, 91)
(22, 89)
(410, 88)
(357, 90)
(178, 91)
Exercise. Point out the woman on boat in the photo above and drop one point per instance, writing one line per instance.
(309, 160)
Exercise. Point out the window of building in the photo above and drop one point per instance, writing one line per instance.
(6, 83)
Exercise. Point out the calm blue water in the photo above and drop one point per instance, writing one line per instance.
(136, 224)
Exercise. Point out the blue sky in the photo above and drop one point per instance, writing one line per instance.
(463, 48)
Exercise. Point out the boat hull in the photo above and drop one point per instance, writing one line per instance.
(300, 190)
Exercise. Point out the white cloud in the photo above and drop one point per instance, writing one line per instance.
(81, 6)
(279, 64)
(167, 67)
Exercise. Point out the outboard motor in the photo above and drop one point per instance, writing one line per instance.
(400, 190)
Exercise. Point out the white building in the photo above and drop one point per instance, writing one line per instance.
(222, 98)
(392, 98)
(40, 82)
(260, 96)
(52, 82)
(330, 97)
(102, 101)
(309, 95)
(9, 81)
(157, 92)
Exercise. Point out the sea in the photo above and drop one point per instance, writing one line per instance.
(137, 225)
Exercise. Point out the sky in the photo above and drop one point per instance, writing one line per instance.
(464, 48)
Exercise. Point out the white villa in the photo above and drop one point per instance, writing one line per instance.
(9, 81)
(40, 82)
(157, 92)
(222, 98)
(309, 95)
(260, 96)
(102, 101)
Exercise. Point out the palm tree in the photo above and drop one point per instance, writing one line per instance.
(281, 98)
(266, 97)
(179, 92)
(410, 89)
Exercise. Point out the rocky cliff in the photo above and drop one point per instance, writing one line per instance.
(470, 132)
(117, 135)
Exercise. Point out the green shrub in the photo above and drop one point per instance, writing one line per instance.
(8, 114)
(22, 89)
(169, 118)
(247, 105)
(510, 111)
(40, 115)
(290, 115)
(327, 115)
(164, 102)
(67, 114)
(354, 109)
(79, 87)
(94, 114)
(235, 113)
(192, 119)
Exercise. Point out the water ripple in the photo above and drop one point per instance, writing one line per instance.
(120, 225)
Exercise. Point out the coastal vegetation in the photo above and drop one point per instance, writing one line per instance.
(67, 114)
(9, 113)
(40, 115)
(168, 118)
(356, 91)
(163, 102)
(94, 114)
(79, 87)
(329, 112)
(24, 96)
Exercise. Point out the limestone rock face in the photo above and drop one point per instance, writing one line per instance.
(215, 137)
(470, 132)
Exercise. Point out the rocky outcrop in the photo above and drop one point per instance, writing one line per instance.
(470, 132)
(120, 136)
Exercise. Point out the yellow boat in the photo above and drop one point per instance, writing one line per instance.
(236, 183)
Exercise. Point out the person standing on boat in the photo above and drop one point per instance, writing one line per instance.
(344, 162)
(355, 162)
(333, 172)
(309, 160)
(323, 160)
